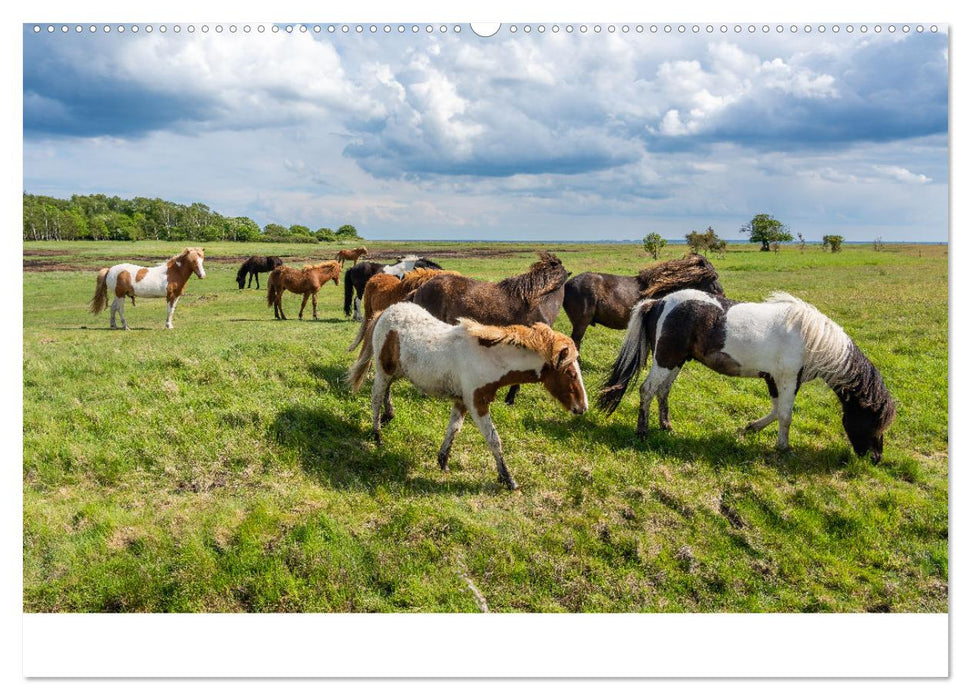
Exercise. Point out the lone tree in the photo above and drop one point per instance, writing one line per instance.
(766, 230)
(834, 243)
(653, 242)
(707, 241)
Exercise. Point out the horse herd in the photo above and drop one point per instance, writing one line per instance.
(463, 339)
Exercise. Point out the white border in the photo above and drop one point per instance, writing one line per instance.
(508, 646)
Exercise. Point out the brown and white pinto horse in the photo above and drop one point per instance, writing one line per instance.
(166, 280)
(307, 281)
(467, 363)
(383, 290)
(349, 254)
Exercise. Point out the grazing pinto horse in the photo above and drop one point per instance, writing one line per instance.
(356, 277)
(382, 290)
(597, 297)
(165, 280)
(307, 281)
(783, 340)
(352, 255)
(467, 363)
(254, 266)
(533, 296)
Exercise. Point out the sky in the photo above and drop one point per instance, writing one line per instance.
(543, 136)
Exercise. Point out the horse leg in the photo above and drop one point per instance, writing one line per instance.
(454, 425)
(388, 408)
(488, 430)
(257, 276)
(757, 425)
(579, 328)
(121, 311)
(512, 394)
(664, 420)
(303, 305)
(357, 308)
(787, 398)
(315, 306)
(114, 309)
(380, 391)
(171, 307)
(656, 378)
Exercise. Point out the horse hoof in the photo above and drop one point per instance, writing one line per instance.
(665, 426)
(443, 461)
(386, 418)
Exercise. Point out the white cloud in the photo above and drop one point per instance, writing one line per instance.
(895, 172)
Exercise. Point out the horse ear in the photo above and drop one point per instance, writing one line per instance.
(563, 357)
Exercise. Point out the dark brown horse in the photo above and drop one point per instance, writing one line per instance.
(596, 297)
(254, 266)
(535, 295)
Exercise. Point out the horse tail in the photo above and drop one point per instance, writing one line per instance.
(348, 292)
(359, 370)
(100, 299)
(361, 334)
(633, 355)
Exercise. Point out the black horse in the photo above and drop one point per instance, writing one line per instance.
(254, 266)
(597, 297)
(356, 277)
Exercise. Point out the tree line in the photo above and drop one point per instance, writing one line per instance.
(98, 217)
(763, 228)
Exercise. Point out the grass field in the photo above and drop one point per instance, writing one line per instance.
(225, 466)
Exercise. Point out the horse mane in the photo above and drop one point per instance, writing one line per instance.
(544, 276)
(831, 355)
(663, 278)
(554, 347)
(417, 277)
(327, 263)
(177, 258)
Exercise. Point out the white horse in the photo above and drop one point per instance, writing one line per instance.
(467, 363)
(784, 340)
(406, 264)
(165, 280)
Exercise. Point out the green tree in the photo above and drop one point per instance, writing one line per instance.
(325, 234)
(653, 242)
(766, 230)
(347, 231)
(696, 241)
(275, 232)
(834, 243)
(301, 231)
(242, 228)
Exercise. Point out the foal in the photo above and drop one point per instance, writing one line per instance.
(165, 280)
(307, 281)
(784, 340)
(467, 363)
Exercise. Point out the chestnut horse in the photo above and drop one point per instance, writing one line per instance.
(352, 255)
(535, 295)
(307, 281)
(597, 297)
(253, 266)
(383, 290)
(166, 280)
(466, 363)
(358, 275)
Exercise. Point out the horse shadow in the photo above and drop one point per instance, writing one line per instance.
(720, 449)
(342, 454)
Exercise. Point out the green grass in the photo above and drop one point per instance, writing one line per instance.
(224, 465)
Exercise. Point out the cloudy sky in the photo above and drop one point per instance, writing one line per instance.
(541, 136)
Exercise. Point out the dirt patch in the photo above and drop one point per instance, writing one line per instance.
(35, 260)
